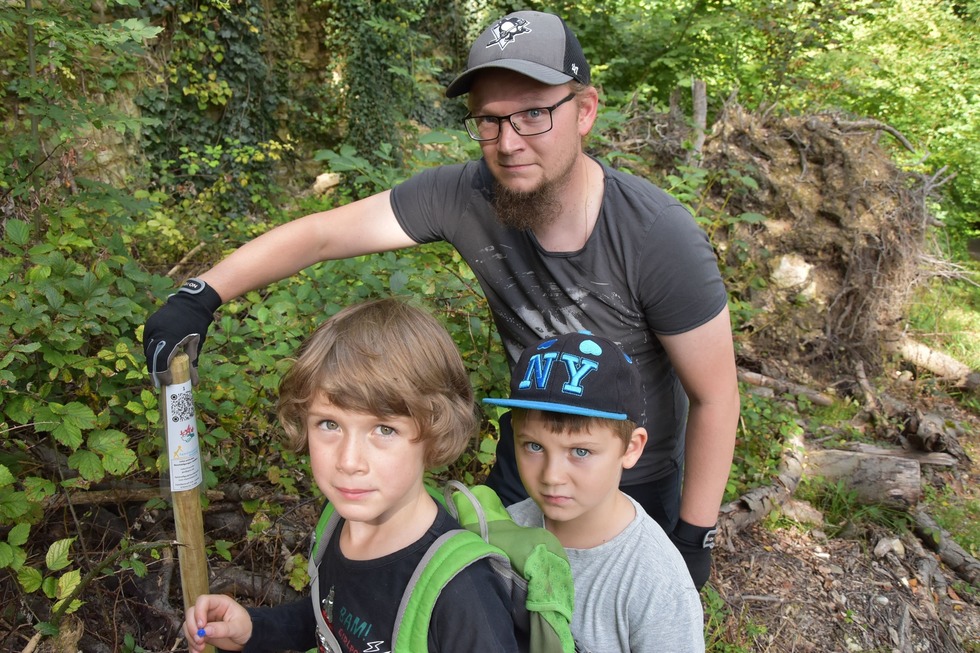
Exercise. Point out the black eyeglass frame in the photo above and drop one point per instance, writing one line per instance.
(509, 118)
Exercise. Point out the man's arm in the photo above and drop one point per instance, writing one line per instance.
(704, 360)
(367, 226)
(363, 227)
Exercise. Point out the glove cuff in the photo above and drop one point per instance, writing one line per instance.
(205, 294)
(702, 537)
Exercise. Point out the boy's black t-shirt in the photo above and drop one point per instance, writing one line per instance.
(471, 614)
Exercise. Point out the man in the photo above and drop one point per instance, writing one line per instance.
(559, 243)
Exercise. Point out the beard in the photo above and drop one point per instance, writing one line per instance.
(525, 210)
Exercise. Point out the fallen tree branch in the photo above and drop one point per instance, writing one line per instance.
(952, 554)
(187, 257)
(758, 502)
(871, 402)
(230, 492)
(760, 380)
(240, 582)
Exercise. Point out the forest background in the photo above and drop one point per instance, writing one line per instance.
(143, 141)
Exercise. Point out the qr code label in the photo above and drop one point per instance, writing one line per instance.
(181, 406)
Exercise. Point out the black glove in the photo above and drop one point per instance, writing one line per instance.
(695, 544)
(182, 321)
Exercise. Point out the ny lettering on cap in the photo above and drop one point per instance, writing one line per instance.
(578, 374)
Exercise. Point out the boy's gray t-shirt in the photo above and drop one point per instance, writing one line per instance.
(646, 269)
(633, 594)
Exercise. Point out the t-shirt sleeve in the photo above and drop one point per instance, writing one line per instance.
(473, 614)
(291, 626)
(428, 205)
(679, 268)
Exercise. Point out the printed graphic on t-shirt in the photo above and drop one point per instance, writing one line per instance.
(352, 633)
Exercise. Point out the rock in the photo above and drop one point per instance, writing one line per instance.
(888, 545)
(325, 182)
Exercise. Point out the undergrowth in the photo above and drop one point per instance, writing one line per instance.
(843, 512)
(946, 316)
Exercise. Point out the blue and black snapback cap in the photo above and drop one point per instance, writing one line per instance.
(578, 374)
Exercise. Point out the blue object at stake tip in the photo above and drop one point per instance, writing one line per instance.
(201, 632)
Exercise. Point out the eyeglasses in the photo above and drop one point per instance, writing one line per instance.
(529, 122)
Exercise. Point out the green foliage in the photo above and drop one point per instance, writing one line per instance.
(765, 426)
(70, 367)
(755, 46)
(843, 511)
(63, 76)
(881, 59)
(835, 424)
(947, 315)
(386, 70)
(960, 516)
(913, 66)
(724, 630)
(217, 138)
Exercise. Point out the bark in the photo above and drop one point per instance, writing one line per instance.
(781, 386)
(942, 365)
(888, 480)
(952, 554)
(700, 101)
(755, 504)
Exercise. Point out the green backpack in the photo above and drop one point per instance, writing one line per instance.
(530, 561)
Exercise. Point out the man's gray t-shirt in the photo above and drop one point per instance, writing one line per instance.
(646, 269)
(632, 593)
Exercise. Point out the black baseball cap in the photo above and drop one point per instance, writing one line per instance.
(576, 373)
(532, 43)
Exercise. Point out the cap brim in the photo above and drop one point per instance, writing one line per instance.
(535, 71)
(555, 408)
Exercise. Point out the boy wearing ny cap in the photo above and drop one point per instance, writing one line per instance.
(575, 403)
(559, 243)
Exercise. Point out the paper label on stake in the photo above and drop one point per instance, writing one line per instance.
(182, 441)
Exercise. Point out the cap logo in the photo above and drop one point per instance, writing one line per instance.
(541, 365)
(506, 30)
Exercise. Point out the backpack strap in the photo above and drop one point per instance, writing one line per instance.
(445, 558)
(329, 520)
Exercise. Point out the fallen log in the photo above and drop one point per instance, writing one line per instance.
(758, 502)
(258, 586)
(231, 492)
(942, 365)
(780, 386)
(874, 478)
(952, 554)
(922, 457)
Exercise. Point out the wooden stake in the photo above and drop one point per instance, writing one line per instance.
(183, 446)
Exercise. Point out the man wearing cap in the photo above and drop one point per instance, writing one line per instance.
(559, 243)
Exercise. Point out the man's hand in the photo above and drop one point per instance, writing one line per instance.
(695, 544)
(182, 321)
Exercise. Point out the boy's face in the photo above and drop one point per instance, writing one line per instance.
(573, 476)
(368, 467)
